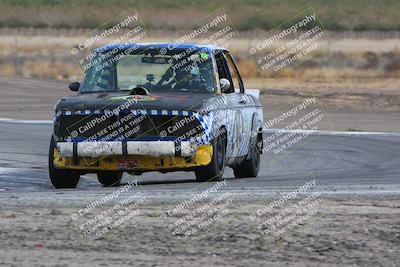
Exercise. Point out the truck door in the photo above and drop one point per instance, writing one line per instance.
(238, 125)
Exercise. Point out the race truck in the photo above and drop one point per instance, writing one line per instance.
(156, 107)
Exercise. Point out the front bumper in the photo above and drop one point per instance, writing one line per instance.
(202, 156)
(138, 148)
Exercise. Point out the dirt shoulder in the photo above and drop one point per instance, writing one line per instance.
(346, 230)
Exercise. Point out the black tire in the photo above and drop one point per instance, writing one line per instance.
(109, 178)
(61, 178)
(215, 170)
(249, 167)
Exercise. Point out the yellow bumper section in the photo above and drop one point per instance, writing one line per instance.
(131, 162)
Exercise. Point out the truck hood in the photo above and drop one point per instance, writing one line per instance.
(106, 100)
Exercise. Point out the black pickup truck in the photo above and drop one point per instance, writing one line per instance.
(156, 107)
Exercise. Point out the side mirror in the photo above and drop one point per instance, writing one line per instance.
(74, 86)
(225, 85)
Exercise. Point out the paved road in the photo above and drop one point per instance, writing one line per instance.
(340, 163)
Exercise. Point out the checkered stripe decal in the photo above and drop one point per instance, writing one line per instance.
(135, 111)
(205, 120)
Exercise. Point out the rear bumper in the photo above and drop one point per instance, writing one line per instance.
(138, 148)
(202, 156)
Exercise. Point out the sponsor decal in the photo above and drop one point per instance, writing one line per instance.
(143, 98)
(137, 98)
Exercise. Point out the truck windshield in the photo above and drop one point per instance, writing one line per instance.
(174, 70)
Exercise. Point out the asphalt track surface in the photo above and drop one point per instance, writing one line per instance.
(341, 163)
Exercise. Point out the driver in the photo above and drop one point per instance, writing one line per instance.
(189, 77)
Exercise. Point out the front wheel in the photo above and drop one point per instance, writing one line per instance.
(61, 178)
(109, 178)
(214, 170)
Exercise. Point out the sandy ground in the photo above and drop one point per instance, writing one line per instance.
(346, 231)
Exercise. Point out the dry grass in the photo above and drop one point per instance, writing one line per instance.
(7, 69)
(175, 14)
(59, 70)
(48, 70)
(49, 58)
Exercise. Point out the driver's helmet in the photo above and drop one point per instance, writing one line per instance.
(187, 73)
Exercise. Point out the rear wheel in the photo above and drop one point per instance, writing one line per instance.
(109, 178)
(61, 178)
(214, 170)
(249, 167)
